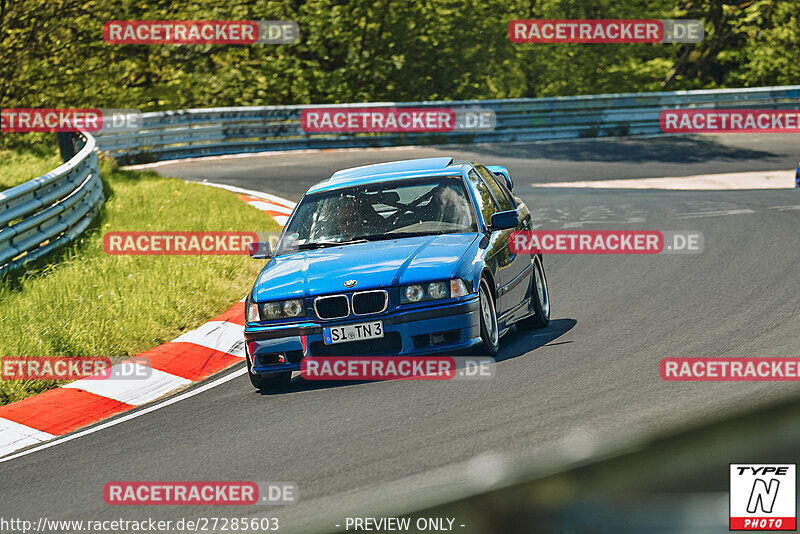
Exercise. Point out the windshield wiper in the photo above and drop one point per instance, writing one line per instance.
(397, 235)
(322, 244)
(363, 239)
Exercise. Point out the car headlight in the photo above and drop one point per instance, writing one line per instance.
(414, 293)
(281, 309)
(272, 310)
(293, 308)
(443, 289)
(438, 290)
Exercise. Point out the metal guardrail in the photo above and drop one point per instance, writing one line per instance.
(51, 210)
(169, 135)
(42, 214)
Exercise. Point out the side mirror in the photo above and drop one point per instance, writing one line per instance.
(503, 173)
(259, 250)
(504, 220)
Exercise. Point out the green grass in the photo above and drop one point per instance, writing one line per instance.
(84, 302)
(21, 165)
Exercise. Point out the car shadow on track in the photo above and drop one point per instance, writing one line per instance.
(514, 344)
(520, 342)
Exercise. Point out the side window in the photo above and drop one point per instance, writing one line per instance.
(486, 202)
(498, 189)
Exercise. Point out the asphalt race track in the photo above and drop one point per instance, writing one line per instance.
(356, 448)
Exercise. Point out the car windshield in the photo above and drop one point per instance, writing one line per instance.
(380, 211)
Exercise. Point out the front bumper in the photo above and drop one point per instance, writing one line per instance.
(432, 329)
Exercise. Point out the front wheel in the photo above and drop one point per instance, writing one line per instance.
(268, 382)
(540, 299)
(490, 333)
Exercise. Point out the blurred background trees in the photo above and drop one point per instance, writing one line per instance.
(52, 52)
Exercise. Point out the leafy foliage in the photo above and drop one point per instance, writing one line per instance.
(53, 52)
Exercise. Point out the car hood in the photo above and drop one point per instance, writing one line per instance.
(372, 265)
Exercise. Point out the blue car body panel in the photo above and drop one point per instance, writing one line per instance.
(448, 325)
(348, 181)
(797, 176)
(383, 264)
(408, 166)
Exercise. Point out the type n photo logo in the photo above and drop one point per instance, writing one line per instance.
(762, 497)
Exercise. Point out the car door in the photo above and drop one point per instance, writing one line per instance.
(497, 250)
(516, 271)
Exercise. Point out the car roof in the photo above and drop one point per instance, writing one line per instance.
(386, 172)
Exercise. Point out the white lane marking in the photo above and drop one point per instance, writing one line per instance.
(217, 335)
(629, 220)
(268, 153)
(720, 213)
(14, 436)
(785, 208)
(145, 385)
(172, 400)
(700, 182)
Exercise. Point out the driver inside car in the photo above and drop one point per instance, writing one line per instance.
(443, 206)
(356, 218)
(346, 222)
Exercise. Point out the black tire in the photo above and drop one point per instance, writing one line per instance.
(488, 311)
(268, 382)
(541, 316)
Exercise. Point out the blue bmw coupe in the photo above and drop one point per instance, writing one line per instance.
(403, 258)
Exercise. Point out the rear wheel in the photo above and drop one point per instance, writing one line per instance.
(490, 333)
(268, 382)
(540, 299)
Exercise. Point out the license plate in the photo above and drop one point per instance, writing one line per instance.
(352, 332)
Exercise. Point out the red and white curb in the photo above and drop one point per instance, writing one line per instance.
(276, 207)
(189, 358)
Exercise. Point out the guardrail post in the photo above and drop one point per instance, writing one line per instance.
(66, 144)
